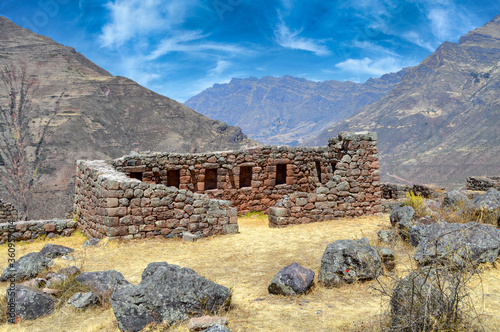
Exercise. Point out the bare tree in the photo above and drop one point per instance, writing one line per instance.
(20, 145)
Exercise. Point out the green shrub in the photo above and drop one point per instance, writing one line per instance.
(417, 203)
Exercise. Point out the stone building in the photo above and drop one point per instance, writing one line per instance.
(163, 194)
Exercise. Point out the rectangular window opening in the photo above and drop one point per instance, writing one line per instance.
(136, 175)
(210, 178)
(173, 178)
(318, 170)
(245, 176)
(281, 174)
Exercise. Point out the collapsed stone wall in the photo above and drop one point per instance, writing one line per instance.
(32, 229)
(398, 191)
(483, 183)
(252, 179)
(110, 204)
(7, 212)
(353, 190)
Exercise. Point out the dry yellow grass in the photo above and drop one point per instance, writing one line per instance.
(246, 263)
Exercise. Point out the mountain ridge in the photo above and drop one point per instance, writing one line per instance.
(288, 110)
(439, 124)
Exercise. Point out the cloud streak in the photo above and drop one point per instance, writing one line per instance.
(367, 66)
(290, 39)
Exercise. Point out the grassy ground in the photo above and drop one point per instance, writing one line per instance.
(246, 263)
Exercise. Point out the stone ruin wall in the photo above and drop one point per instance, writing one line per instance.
(252, 179)
(7, 212)
(33, 229)
(163, 194)
(352, 190)
(110, 204)
(483, 183)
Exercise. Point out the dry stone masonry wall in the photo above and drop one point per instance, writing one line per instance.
(252, 179)
(352, 190)
(7, 212)
(110, 204)
(32, 229)
(483, 183)
(165, 194)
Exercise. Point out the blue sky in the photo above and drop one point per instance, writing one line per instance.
(180, 47)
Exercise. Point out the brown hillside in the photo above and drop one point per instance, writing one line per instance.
(100, 116)
(440, 124)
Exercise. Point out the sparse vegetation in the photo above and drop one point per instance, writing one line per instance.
(417, 203)
(246, 263)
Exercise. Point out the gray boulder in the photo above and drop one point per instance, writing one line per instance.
(217, 328)
(84, 300)
(345, 261)
(28, 266)
(461, 244)
(102, 282)
(455, 198)
(292, 280)
(401, 213)
(54, 279)
(91, 242)
(29, 303)
(54, 250)
(166, 293)
(489, 201)
(388, 258)
(69, 271)
(385, 235)
(416, 299)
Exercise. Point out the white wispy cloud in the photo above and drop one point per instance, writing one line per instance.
(414, 37)
(372, 47)
(132, 18)
(194, 42)
(291, 39)
(369, 66)
(222, 65)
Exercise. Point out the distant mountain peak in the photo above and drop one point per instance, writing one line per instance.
(440, 123)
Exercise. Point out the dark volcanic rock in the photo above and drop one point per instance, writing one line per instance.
(28, 266)
(91, 242)
(53, 250)
(490, 200)
(103, 281)
(69, 271)
(167, 293)
(385, 235)
(401, 213)
(84, 300)
(345, 261)
(454, 198)
(291, 280)
(459, 243)
(30, 303)
(414, 298)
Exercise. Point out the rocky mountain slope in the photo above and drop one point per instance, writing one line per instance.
(288, 110)
(99, 116)
(441, 123)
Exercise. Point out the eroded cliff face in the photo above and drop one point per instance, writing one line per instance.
(99, 116)
(440, 124)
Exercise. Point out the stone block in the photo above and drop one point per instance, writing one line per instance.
(112, 202)
(117, 212)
